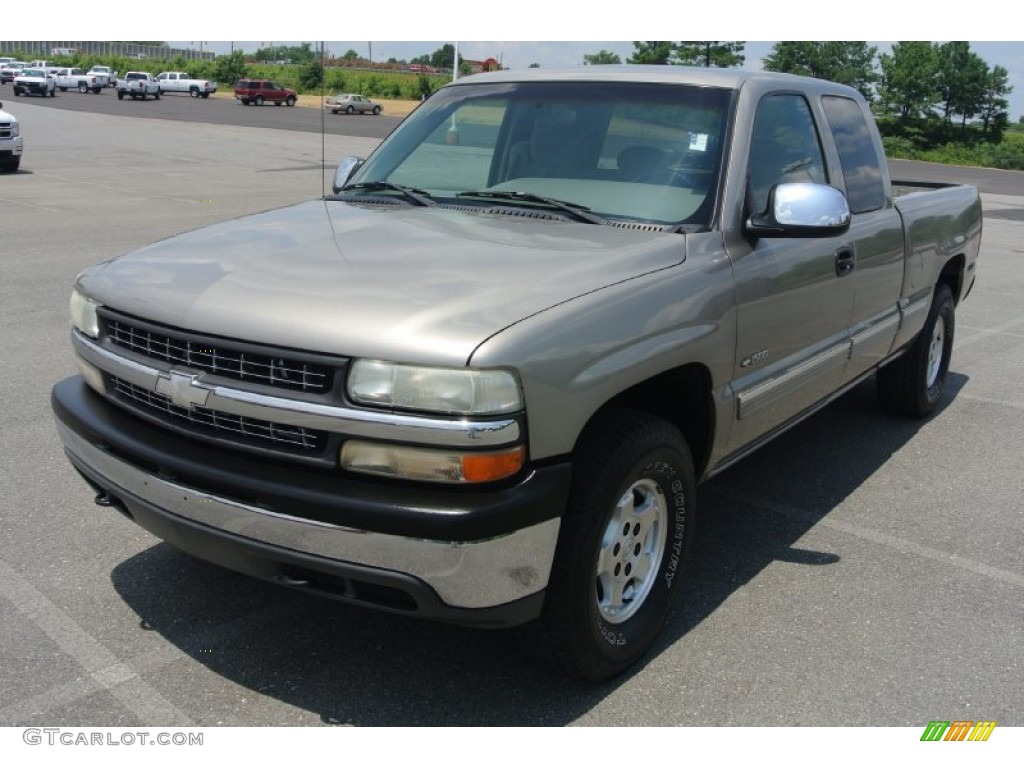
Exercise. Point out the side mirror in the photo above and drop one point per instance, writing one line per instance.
(802, 210)
(346, 168)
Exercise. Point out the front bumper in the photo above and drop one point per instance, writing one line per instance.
(11, 147)
(480, 557)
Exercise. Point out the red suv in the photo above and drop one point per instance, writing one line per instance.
(258, 91)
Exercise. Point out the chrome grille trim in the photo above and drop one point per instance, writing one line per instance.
(239, 428)
(221, 359)
(451, 432)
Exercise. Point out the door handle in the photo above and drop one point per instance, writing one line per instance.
(845, 262)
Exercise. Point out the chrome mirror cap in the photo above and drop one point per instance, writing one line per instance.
(802, 210)
(344, 171)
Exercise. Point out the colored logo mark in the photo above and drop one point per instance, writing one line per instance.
(958, 730)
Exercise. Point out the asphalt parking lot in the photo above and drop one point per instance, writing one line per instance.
(859, 571)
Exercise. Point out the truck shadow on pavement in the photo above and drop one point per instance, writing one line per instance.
(341, 664)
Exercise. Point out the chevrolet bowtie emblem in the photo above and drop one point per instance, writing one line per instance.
(183, 389)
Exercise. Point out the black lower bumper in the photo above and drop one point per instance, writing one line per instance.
(309, 496)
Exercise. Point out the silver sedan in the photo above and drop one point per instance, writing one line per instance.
(350, 103)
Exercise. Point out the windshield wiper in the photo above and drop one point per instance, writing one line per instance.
(418, 196)
(579, 212)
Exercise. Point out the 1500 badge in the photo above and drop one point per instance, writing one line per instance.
(757, 357)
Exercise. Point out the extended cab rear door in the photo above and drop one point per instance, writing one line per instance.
(876, 232)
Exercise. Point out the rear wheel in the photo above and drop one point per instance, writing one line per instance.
(97, 89)
(63, 89)
(624, 537)
(205, 95)
(912, 384)
(194, 93)
(82, 88)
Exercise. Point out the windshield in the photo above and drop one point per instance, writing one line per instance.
(626, 151)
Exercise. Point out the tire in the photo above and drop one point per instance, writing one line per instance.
(143, 96)
(194, 93)
(205, 95)
(63, 89)
(630, 511)
(82, 88)
(245, 102)
(334, 111)
(97, 90)
(258, 101)
(120, 95)
(53, 93)
(912, 384)
(290, 101)
(349, 109)
(10, 165)
(157, 95)
(17, 91)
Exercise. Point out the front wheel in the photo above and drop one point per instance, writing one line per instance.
(258, 101)
(290, 101)
(120, 95)
(376, 110)
(912, 385)
(624, 537)
(349, 109)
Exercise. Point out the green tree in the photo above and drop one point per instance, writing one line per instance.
(651, 52)
(850, 62)
(602, 57)
(994, 109)
(230, 68)
(909, 84)
(962, 81)
(311, 75)
(350, 54)
(444, 57)
(710, 53)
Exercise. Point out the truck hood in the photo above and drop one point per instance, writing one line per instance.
(423, 285)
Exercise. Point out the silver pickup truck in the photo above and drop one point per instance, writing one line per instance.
(481, 380)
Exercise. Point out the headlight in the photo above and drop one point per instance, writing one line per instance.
(439, 390)
(83, 314)
(14, 129)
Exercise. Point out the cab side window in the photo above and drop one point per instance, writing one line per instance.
(784, 148)
(862, 168)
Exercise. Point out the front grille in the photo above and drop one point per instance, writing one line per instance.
(220, 358)
(239, 429)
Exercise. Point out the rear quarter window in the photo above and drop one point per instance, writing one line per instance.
(862, 167)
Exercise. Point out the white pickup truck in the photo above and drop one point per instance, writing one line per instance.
(35, 80)
(106, 76)
(10, 142)
(138, 85)
(73, 77)
(182, 82)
